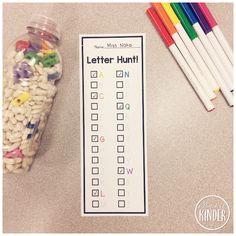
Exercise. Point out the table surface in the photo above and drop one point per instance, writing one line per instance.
(190, 151)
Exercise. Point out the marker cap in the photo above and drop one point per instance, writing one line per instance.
(159, 26)
(164, 17)
(209, 17)
(189, 12)
(184, 21)
(201, 18)
(170, 13)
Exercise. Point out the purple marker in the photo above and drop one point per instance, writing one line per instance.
(201, 19)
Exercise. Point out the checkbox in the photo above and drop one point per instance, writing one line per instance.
(119, 95)
(94, 95)
(94, 84)
(120, 116)
(95, 204)
(95, 149)
(121, 159)
(95, 171)
(121, 181)
(95, 160)
(120, 127)
(94, 127)
(95, 182)
(119, 84)
(94, 106)
(119, 74)
(120, 138)
(120, 170)
(95, 192)
(94, 138)
(121, 203)
(121, 192)
(120, 149)
(94, 116)
(93, 74)
(119, 105)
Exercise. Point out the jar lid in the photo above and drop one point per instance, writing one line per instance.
(44, 24)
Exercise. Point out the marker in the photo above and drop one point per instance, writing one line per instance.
(195, 19)
(179, 58)
(171, 29)
(217, 31)
(220, 77)
(190, 46)
(193, 36)
(207, 29)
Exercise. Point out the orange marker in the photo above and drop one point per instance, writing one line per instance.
(165, 19)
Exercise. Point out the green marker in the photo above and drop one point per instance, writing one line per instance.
(184, 21)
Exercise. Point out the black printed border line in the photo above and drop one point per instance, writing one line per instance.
(144, 174)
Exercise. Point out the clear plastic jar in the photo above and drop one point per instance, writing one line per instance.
(32, 65)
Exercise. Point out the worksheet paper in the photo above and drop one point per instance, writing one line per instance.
(113, 149)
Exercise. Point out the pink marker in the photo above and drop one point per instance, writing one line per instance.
(217, 31)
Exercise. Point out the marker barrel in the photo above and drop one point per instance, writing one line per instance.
(179, 58)
(159, 26)
(203, 57)
(224, 43)
(189, 12)
(207, 23)
(193, 66)
(221, 54)
(217, 31)
(210, 82)
(199, 61)
(214, 56)
(191, 77)
(202, 51)
(193, 18)
(179, 43)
